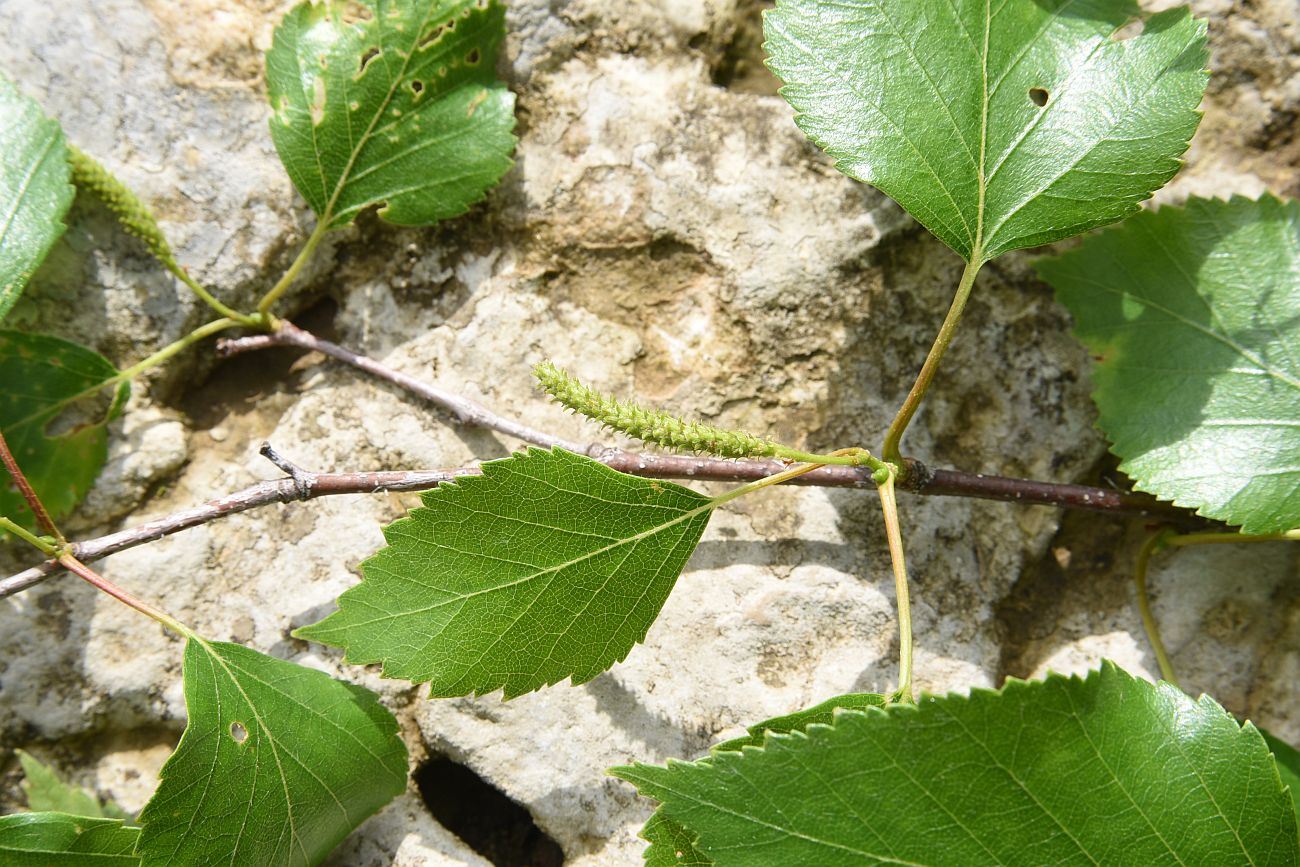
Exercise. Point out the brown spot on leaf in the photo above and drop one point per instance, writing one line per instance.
(479, 99)
(318, 102)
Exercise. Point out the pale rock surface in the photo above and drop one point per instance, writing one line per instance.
(403, 834)
(667, 232)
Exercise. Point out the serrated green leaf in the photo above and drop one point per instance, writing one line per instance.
(278, 763)
(1192, 314)
(39, 377)
(400, 108)
(801, 719)
(549, 565)
(47, 793)
(672, 845)
(1288, 766)
(34, 190)
(936, 102)
(1102, 770)
(60, 840)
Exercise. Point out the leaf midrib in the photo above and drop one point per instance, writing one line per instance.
(1172, 734)
(458, 598)
(977, 251)
(274, 747)
(33, 169)
(328, 216)
(752, 819)
(83, 855)
(50, 410)
(1101, 760)
(1020, 784)
(837, 73)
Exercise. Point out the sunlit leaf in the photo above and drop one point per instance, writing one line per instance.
(547, 566)
(39, 377)
(1102, 770)
(801, 719)
(998, 124)
(1194, 316)
(672, 845)
(398, 107)
(277, 764)
(34, 190)
(1288, 766)
(60, 840)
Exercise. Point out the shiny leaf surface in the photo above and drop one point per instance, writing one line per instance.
(1102, 770)
(998, 124)
(34, 190)
(1192, 315)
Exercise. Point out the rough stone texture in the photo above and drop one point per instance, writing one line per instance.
(667, 231)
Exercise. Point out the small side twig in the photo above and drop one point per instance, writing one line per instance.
(260, 494)
(303, 480)
(94, 579)
(462, 409)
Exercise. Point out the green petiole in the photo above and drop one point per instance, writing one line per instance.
(45, 545)
(1169, 539)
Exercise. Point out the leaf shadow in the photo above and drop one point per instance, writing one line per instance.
(1188, 324)
(787, 552)
(660, 735)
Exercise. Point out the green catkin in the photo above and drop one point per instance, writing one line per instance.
(133, 214)
(652, 426)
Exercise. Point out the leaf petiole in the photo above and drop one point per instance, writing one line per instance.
(1157, 542)
(1187, 540)
(19, 479)
(884, 475)
(62, 551)
(1169, 539)
(894, 532)
(258, 322)
(851, 457)
(214, 327)
(750, 488)
(94, 579)
(893, 437)
(304, 255)
(46, 546)
(122, 376)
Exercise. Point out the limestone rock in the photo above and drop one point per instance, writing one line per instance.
(667, 232)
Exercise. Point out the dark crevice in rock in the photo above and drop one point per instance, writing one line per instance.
(491, 824)
(240, 385)
(740, 68)
(1087, 567)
